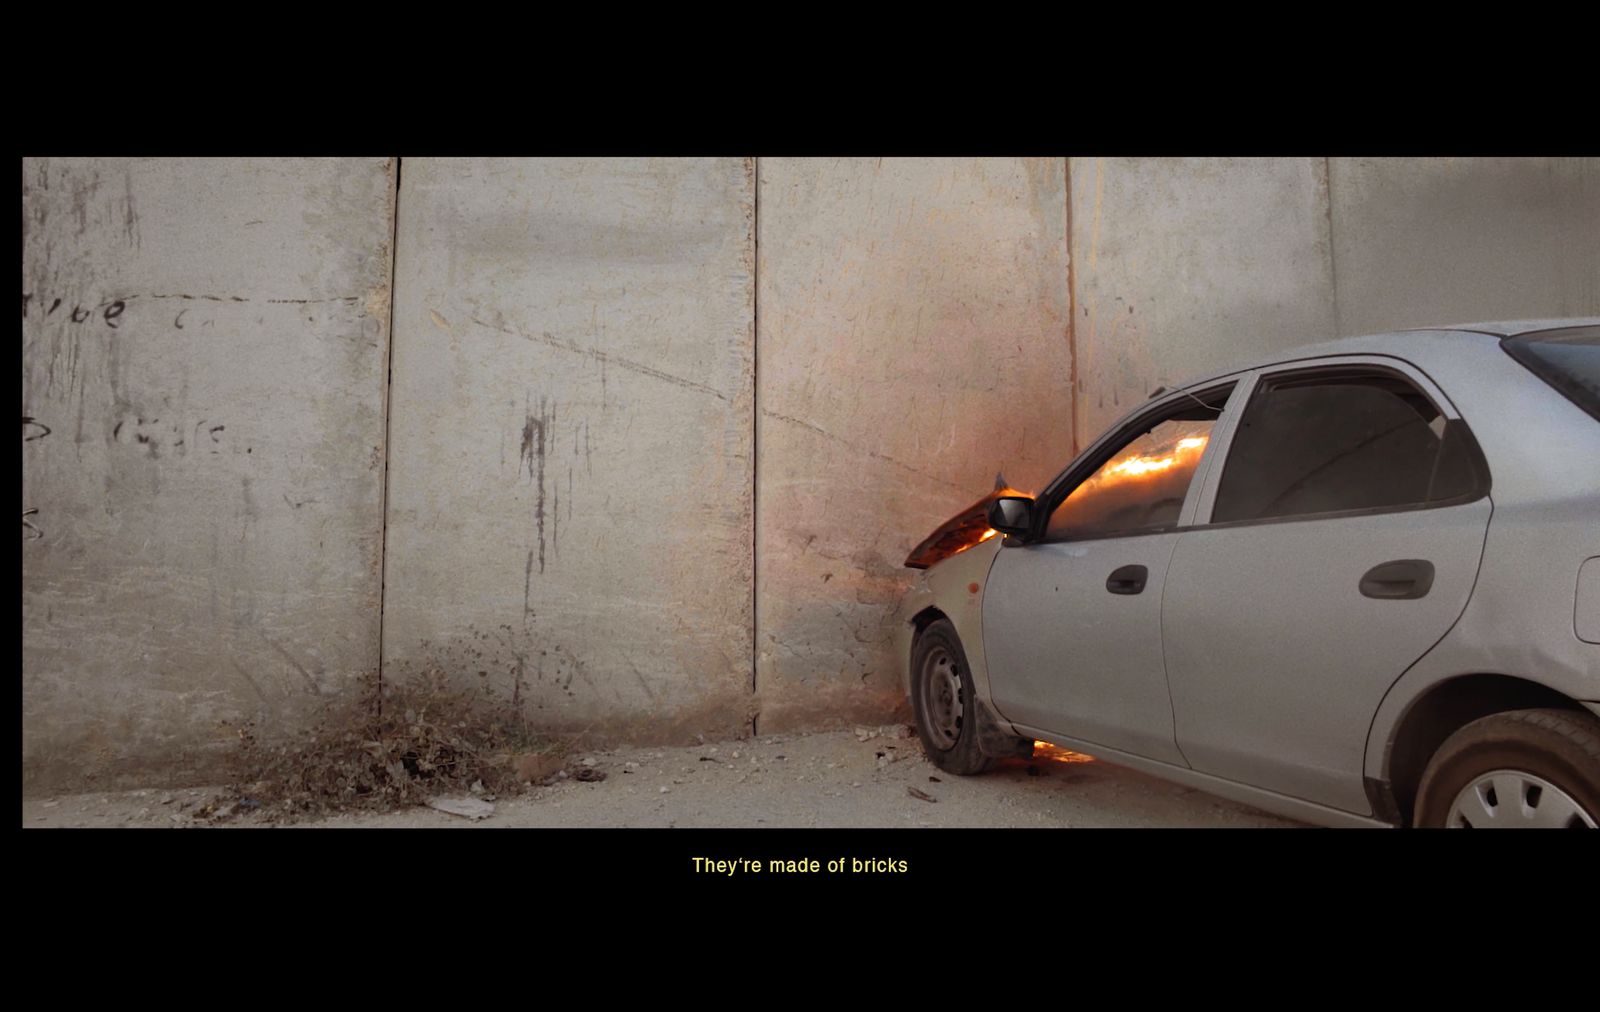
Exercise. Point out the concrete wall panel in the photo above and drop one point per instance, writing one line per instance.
(1427, 241)
(570, 479)
(204, 344)
(912, 342)
(1188, 265)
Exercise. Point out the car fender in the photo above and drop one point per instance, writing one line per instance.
(955, 587)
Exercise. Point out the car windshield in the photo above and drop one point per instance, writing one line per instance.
(1567, 359)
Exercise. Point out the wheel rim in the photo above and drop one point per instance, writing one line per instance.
(942, 703)
(1512, 799)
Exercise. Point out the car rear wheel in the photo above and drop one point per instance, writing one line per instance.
(1524, 769)
(942, 699)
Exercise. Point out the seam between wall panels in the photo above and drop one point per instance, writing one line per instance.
(1333, 249)
(388, 400)
(1072, 309)
(755, 434)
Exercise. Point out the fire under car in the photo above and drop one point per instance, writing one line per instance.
(1356, 585)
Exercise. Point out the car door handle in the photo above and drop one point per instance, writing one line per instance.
(1127, 580)
(1400, 580)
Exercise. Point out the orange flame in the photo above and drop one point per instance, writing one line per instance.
(1055, 753)
(968, 528)
(1137, 465)
(971, 526)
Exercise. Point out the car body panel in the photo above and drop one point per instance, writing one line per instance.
(1267, 801)
(1067, 655)
(948, 586)
(1546, 522)
(1275, 658)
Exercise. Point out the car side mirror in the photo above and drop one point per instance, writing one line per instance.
(1011, 514)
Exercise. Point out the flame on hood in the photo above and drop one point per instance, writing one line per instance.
(1101, 491)
(962, 531)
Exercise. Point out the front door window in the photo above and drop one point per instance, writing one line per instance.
(1142, 485)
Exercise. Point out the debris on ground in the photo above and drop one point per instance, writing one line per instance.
(391, 745)
(889, 754)
(920, 795)
(891, 731)
(828, 781)
(467, 807)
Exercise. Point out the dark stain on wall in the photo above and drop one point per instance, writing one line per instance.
(535, 448)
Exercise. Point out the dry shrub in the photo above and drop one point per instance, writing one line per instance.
(389, 745)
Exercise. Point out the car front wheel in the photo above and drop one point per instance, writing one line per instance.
(1524, 769)
(942, 699)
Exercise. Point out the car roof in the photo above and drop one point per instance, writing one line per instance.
(1399, 341)
(1511, 328)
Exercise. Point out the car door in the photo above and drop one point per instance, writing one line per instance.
(1336, 541)
(1072, 614)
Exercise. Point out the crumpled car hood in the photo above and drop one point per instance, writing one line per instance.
(967, 528)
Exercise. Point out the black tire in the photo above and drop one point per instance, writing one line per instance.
(1560, 747)
(950, 732)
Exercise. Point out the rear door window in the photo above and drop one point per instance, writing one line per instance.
(1319, 442)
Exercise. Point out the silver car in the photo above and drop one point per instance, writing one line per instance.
(1356, 585)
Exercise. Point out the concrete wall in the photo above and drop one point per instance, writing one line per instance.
(1424, 241)
(616, 417)
(912, 341)
(1185, 265)
(570, 478)
(203, 354)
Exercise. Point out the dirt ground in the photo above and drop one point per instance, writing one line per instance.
(860, 778)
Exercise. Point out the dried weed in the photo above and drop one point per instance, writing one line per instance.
(389, 746)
